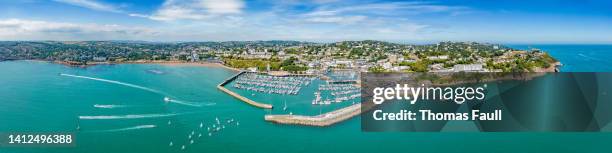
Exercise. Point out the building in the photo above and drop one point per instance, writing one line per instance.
(442, 57)
(387, 65)
(392, 58)
(400, 68)
(195, 56)
(345, 63)
(468, 68)
(252, 69)
(99, 59)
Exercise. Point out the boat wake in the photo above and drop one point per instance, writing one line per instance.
(114, 82)
(187, 103)
(129, 128)
(210, 104)
(135, 116)
(589, 58)
(108, 106)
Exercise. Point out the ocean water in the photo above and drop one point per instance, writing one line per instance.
(121, 108)
(578, 58)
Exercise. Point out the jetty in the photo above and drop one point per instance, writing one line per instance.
(221, 87)
(326, 119)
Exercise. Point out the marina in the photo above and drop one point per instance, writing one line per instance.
(238, 96)
(326, 94)
(290, 85)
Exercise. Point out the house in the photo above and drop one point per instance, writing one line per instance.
(441, 57)
(99, 59)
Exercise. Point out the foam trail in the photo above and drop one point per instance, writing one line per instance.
(185, 103)
(210, 104)
(113, 82)
(188, 103)
(588, 57)
(129, 128)
(111, 117)
(108, 106)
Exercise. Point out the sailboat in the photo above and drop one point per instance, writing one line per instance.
(285, 108)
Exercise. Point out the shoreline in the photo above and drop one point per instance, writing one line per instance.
(203, 64)
(166, 63)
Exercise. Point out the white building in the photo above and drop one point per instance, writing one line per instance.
(99, 59)
(347, 63)
(468, 68)
(387, 65)
(443, 57)
(400, 68)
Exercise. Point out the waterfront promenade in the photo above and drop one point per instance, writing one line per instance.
(326, 119)
(221, 87)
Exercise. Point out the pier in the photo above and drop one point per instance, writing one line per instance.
(238, 96)
(326, 119)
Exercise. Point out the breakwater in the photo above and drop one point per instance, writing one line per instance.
(326, 119)
(221, 87)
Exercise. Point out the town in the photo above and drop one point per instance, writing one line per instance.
(292, 57)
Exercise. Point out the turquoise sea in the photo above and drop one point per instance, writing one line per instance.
(577, 58)
(121, 108)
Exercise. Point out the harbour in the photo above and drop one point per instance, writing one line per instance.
(291, 85)
(58, 105)
(238, 96)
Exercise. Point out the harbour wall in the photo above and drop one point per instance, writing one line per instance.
(326, 119)
(221, 87)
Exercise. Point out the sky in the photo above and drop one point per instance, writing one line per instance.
(423, 21)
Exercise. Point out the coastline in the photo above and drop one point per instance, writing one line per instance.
(166, 63)
(203, 64)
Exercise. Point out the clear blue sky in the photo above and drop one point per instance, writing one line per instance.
(497, 21)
